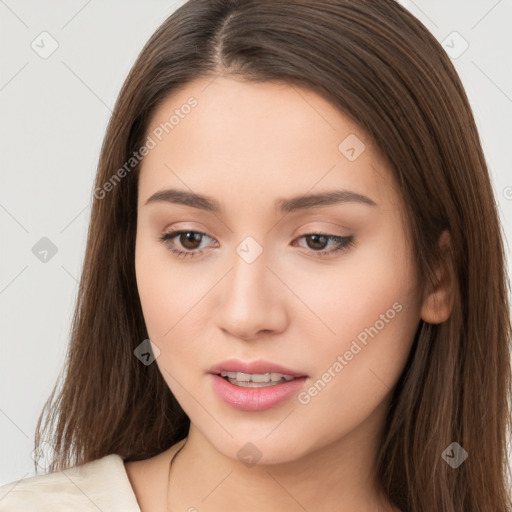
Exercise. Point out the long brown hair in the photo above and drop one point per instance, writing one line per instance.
(381, 67)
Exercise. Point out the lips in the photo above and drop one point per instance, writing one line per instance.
(259, 366)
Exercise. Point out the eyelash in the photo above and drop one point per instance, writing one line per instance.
(345, 242)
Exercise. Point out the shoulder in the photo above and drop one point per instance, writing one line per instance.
(101, 484)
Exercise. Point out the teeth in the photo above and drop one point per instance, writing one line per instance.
(251, 384)
(256, 377)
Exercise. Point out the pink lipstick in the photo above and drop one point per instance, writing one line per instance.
(255, 386)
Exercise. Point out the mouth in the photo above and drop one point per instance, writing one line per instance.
(255, 374)
(247, 395)
(256, 385)
(255, 380)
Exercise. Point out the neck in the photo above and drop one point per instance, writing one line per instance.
(341, 472)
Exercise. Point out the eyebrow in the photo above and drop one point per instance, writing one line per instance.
(283, 205)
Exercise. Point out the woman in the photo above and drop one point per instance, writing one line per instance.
(293, 288)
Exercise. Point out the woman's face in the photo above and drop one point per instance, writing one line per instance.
(259, 279)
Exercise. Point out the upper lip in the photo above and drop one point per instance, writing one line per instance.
(258, 366)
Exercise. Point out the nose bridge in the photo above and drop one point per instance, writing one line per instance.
(251, 299)
(248, 282)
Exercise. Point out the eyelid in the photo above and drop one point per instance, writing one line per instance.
(313, 227)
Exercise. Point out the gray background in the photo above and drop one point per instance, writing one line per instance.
(54, 113)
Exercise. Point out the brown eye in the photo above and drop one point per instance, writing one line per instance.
(317, 243)
(190, 239)
(185, 244)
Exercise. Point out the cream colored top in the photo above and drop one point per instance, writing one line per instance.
(100, 485)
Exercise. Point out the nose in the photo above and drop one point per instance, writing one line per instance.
(252, 300)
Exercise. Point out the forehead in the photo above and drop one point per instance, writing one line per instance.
(270, 138)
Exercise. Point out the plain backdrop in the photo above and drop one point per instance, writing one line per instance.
(54, 111)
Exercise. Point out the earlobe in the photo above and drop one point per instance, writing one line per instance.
(438, 304)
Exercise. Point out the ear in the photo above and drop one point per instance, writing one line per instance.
(437, 305)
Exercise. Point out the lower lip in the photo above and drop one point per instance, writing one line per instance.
(255, 399)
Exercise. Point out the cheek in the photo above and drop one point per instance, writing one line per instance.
(373, 310)
(158, 295)
(172, 297)
(367, 299)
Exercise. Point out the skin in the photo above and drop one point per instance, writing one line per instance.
(246, 145)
